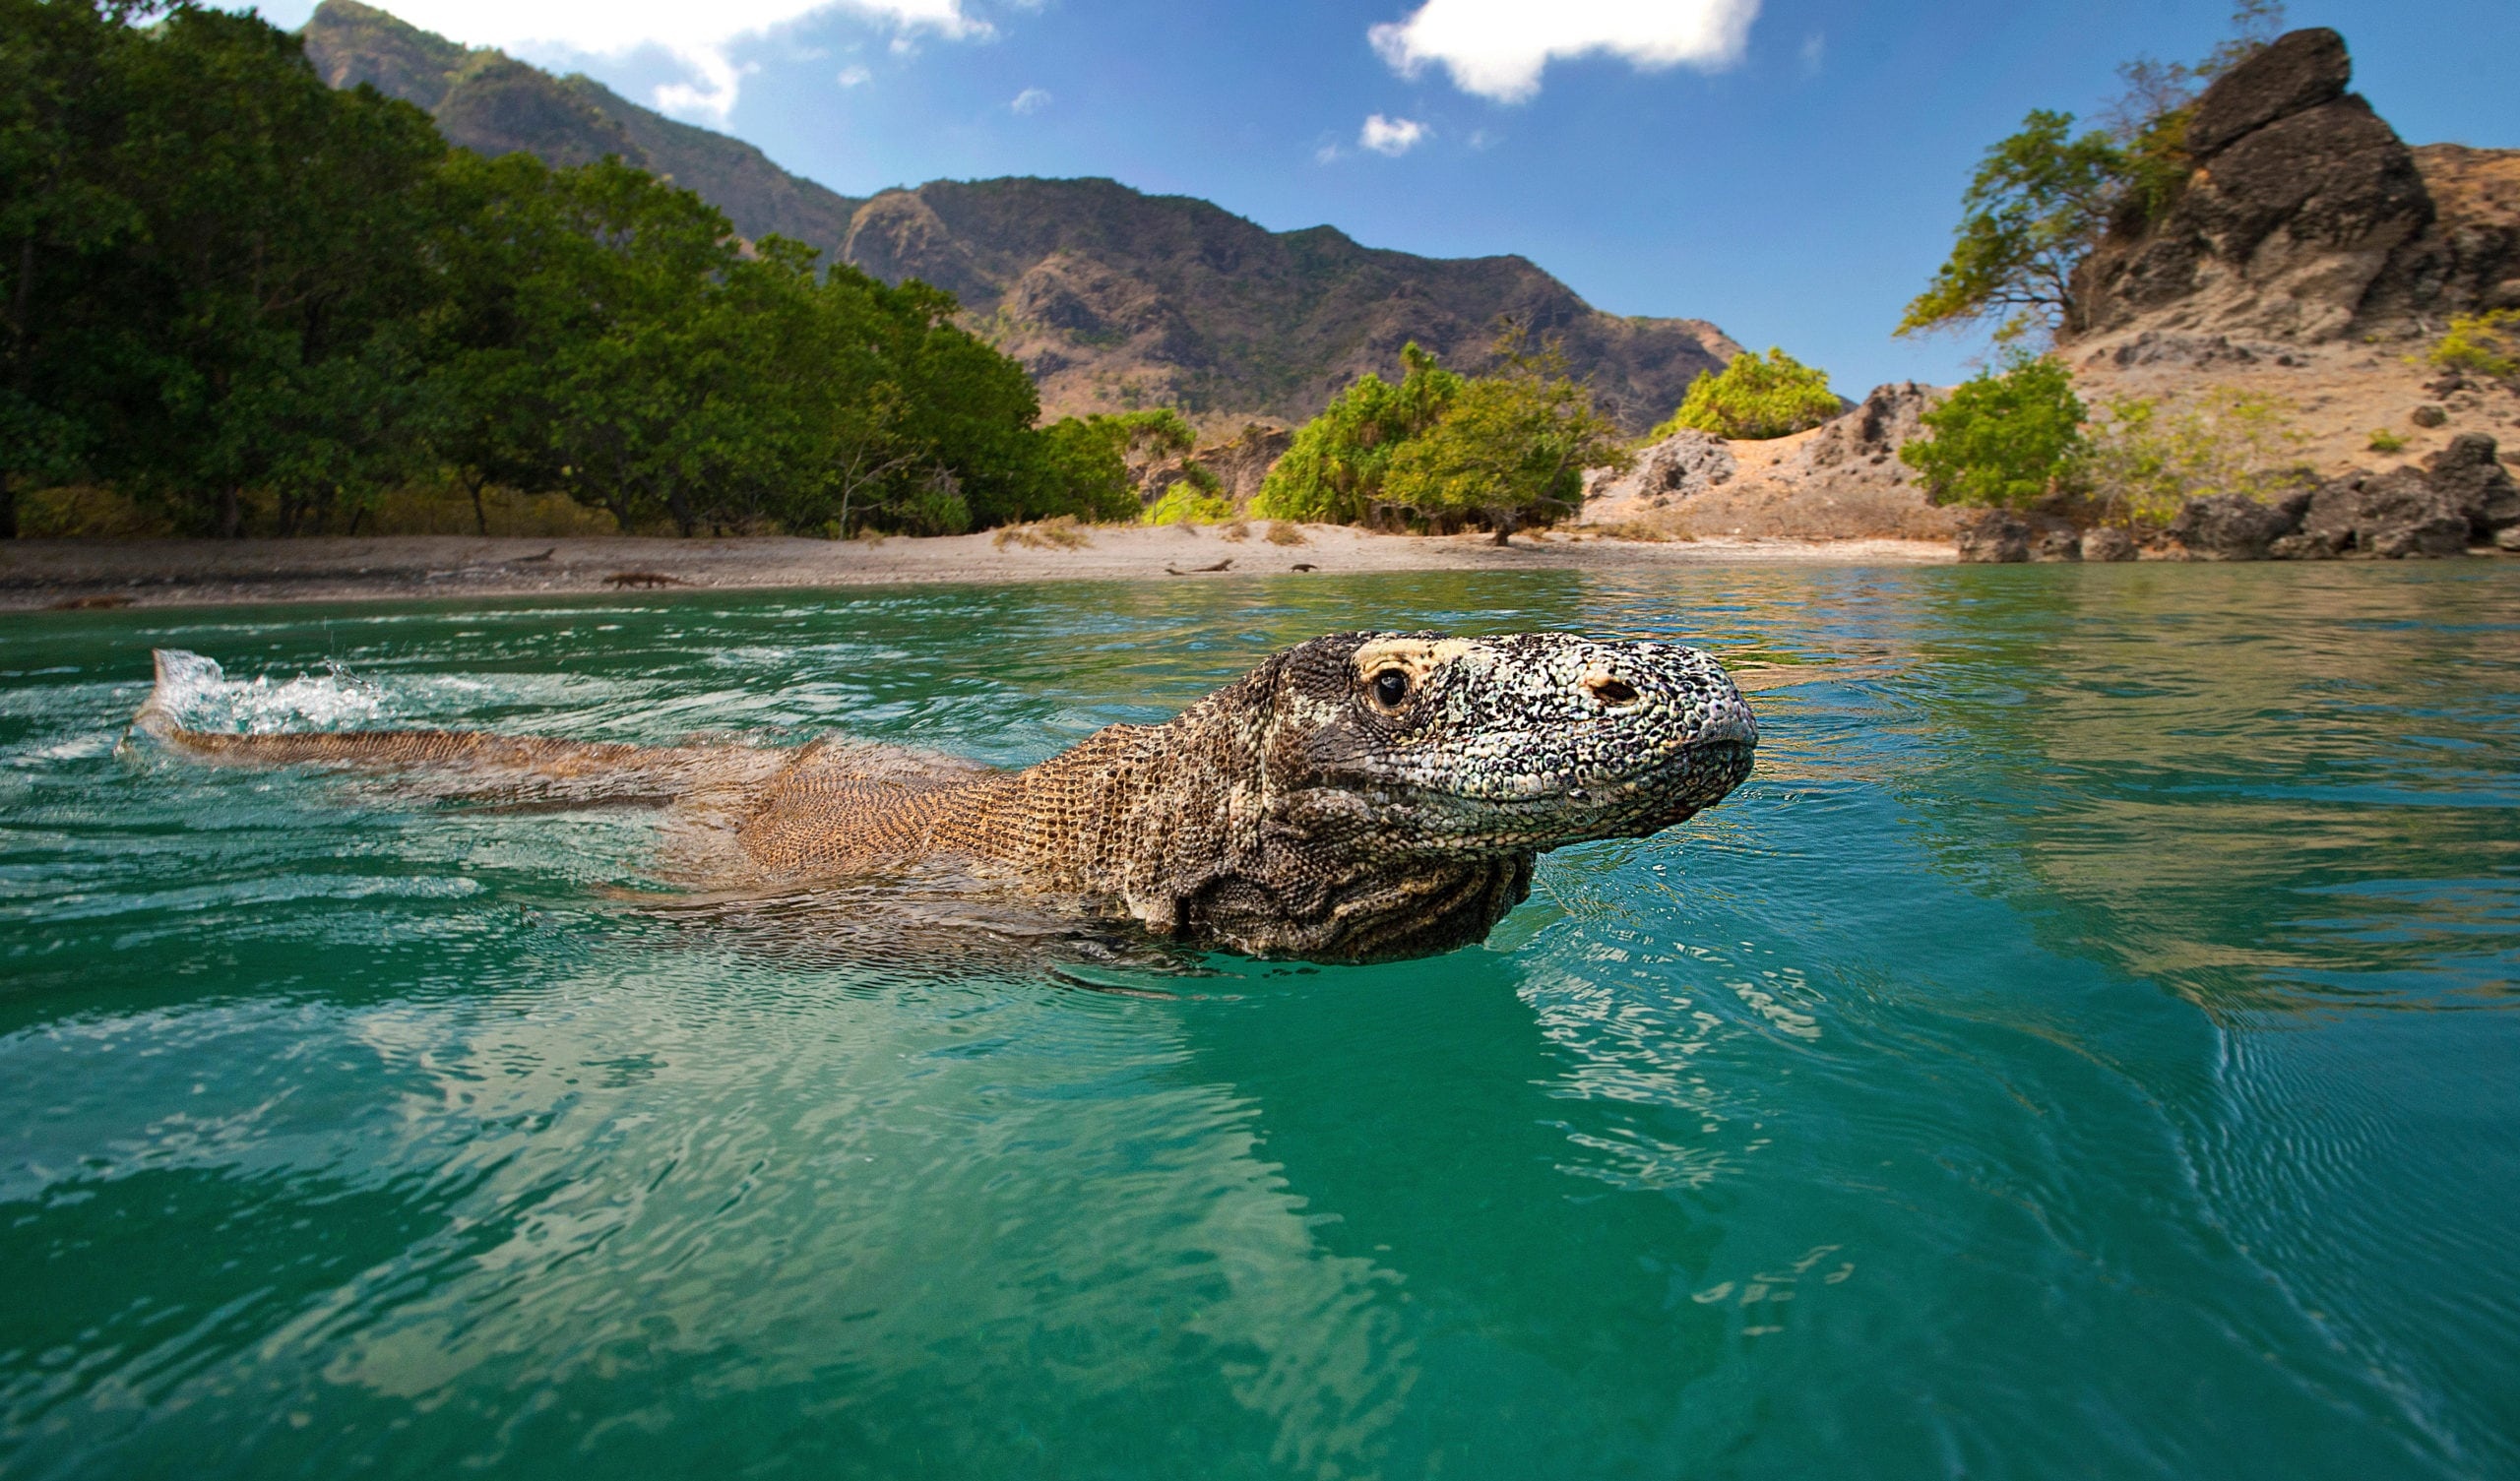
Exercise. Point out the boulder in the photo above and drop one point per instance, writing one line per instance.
(1871, 435)
(2393, 515)
(2057, 545)
(1997, 537)
(2234, 526)
(2107, 542)
(2427, 415)
(2296, 72)
(2472, 476)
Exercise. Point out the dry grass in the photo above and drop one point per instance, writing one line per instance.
(1286, 533)
(1237, 530)
(1061, 533)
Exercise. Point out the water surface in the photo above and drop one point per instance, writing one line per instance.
(2082, 1049)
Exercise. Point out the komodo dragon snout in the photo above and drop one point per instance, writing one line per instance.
(1417, 744)
(1360, 797)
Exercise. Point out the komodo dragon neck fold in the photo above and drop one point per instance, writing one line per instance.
(1365, 796)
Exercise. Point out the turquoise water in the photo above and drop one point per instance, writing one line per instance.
(2082, 1049)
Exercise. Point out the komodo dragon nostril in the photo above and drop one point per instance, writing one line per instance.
(1610, 690)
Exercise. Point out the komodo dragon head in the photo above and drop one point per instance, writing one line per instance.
(1385, 794)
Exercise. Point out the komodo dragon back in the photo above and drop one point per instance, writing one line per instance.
(1360, 797)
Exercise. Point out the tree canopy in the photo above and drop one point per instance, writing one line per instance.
(244, 297)
(1509, 450)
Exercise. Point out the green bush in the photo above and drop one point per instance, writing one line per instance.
(1334, 471)
(2487, 343)
(1190, 503)
(1510, 450)
(2003, 437)
(1755, 397)
(2385, 441)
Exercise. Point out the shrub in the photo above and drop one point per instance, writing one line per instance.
(2487, 343)
(1510, 450)
(2147, 458)
(2003, 437)
(2385, 441)
(1334, 470)
(1755, 397)
(1197, 498)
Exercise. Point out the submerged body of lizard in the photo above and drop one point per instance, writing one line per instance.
(1360, 797)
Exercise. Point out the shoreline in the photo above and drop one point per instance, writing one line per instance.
(36, 575)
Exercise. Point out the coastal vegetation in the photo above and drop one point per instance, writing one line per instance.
(1756, 396)
(2004, 437)
(1440, 450)
(2020, 436)
(245, 300)
(2146, 456)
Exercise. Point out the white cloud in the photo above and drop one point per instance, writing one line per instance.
(698, 35)
(1815, 50)
(1499, 49)
(855, 77)
(1390, 135)
(1030, 100)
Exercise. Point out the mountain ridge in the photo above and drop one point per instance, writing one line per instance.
(1111, 297)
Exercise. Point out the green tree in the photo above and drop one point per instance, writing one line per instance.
(2003, 437)
(2035, 207)
(1335, 468)
(1094, 461)
(1756, 396)
(1509, 450)
(63, 98)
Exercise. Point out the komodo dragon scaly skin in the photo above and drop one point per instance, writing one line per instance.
(1360, 797)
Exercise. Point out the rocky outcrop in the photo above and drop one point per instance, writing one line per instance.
(2234, 526)
(2305, 219)
(2107, 542)
(1865, 443)
(1686, 462)
(2463, 496)
(1242, 462)
(2471, 473)
(2004, 536)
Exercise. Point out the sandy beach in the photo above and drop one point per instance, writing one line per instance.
(40, 573)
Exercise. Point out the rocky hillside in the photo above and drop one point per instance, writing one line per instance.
(1113, 298)
(487, 101)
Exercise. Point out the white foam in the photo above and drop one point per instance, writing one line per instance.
(196, 693)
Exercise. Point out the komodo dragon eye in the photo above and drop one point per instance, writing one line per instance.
(1391, 688)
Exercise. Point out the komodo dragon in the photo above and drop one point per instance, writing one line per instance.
(1360, 797)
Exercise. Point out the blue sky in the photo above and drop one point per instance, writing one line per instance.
(1787, 169)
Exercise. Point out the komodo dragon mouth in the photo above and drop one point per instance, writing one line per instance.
(1360, 797)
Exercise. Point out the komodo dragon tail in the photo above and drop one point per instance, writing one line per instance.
(180, 673)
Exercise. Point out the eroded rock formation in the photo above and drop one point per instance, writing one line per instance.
(2307, 219)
